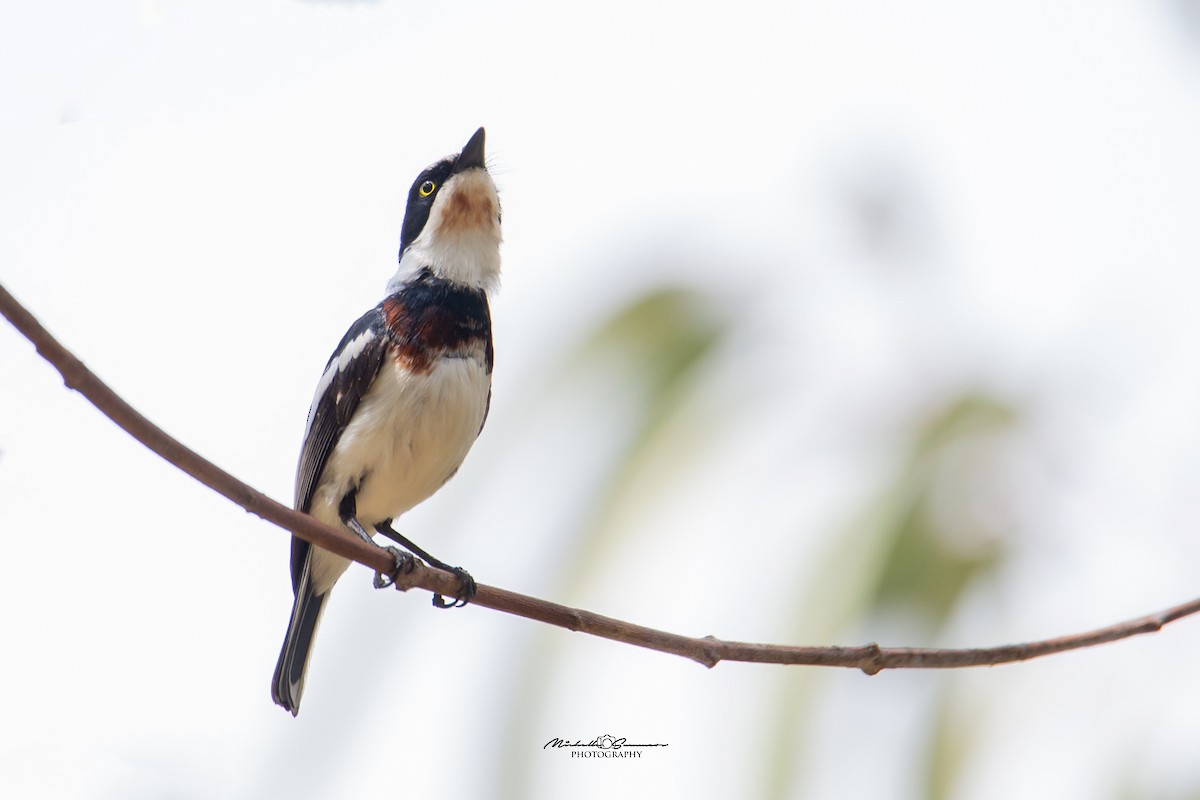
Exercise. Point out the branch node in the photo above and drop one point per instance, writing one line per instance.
(709, 656)
(872, 659)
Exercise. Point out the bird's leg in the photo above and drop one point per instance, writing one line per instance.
(404, 562)
(466, 588)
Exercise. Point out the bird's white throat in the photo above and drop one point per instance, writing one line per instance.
(461, 239)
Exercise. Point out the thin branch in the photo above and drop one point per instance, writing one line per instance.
(708, 651)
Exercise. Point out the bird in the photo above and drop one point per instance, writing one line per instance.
(404, 395)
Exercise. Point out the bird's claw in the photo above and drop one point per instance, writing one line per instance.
(466, 591)
(405, 562)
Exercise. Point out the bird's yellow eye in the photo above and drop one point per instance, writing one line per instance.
(426, 188)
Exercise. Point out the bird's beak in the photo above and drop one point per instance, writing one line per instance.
(471, 156)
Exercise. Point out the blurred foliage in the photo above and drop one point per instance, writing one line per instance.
(952, 735)
(655, 346)
(907, 556)
(915, 550)
(922, 566)
(658, 340)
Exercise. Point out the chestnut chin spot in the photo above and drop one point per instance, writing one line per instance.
(468, 208)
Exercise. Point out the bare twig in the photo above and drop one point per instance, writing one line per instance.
(708, 651)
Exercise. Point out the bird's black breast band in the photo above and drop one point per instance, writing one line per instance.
(433, 318)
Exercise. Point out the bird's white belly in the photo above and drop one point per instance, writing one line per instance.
(407, 438)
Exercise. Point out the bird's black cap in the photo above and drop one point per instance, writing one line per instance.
(471, 155)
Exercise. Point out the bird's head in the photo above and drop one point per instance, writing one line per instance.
(452, 223)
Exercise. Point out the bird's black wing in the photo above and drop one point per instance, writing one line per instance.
(347, 377)
(489, 358)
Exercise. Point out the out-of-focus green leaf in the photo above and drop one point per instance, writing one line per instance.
(927, 565)
(655, 348)
(902, 556)
(951, 738)
(654, 345)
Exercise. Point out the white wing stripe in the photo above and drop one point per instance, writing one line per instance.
(348, 354)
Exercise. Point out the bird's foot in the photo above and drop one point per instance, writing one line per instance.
(466, 590)
(405, 562)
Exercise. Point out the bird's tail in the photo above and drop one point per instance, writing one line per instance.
(288, 683)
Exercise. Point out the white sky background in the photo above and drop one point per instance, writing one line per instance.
(198, 198)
